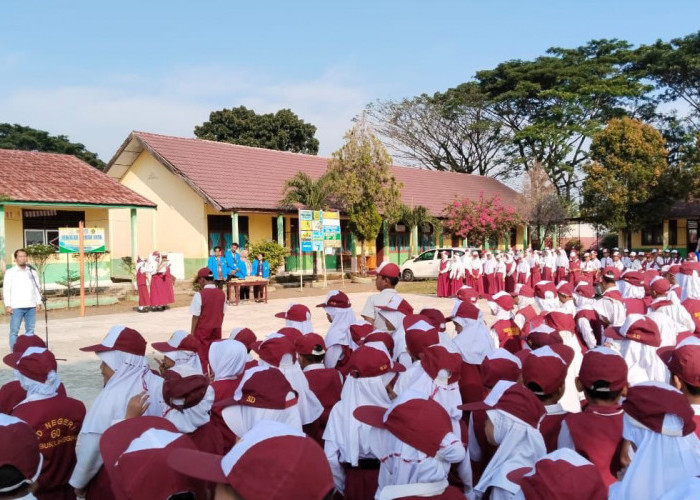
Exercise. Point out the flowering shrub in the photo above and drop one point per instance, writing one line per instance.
(479, 220)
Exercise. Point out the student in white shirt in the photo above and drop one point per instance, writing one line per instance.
(387, 278)
(21, 296)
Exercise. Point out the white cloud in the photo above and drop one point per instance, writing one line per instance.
(101, 115)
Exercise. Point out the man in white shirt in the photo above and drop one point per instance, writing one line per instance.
(387, 279)
(21, 296)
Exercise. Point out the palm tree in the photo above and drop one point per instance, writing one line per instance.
(414, 218)
(302, 190)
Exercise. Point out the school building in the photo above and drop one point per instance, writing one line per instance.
(212, 193)
(41, 192)
(678, 230)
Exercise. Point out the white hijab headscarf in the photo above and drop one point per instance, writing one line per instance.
(190, 419)
(395, 318)
(303, 326)
(519, 445)
(660, 461)
(227, 359)
(690, 285)
(643, 362)
(338, 333)
(183, 357)
(475, 341)
(36, 390)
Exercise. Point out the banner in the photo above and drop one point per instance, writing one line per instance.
(93, 240)
(318, 230)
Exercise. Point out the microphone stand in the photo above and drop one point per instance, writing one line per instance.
(43, 301)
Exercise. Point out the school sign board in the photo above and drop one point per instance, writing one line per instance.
(93, 240)
(318, 229)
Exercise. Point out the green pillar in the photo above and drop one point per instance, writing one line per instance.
(387, 248)
(414, 241)
(134, 236)
(554, 237)
(486, 243)
(280, 230)
(234, 228)
(525, 236)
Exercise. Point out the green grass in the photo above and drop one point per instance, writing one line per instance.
(427, 287)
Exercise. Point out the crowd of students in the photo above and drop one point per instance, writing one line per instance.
(569, 394)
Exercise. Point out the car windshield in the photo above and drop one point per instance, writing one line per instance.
(427, 255)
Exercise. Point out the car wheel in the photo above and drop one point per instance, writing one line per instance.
(408, 275)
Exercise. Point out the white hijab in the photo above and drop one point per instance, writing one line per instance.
(519, 445)
(643, 363)
(339, 331)
(352, 438)
(474, 343)
(191, 419)
(227, 359)
(399, 335)
(36, 390)
(690, 285)
(660, 461)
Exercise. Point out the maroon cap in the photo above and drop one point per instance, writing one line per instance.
(25, 341)
(359, 331)
(135, 453)
(184, 387)
(290, 332)
(369, 361)
(503, 299)
(336, 298)
(205, 273)
(500, 365)
(560, 321)
(467, 294)
(120, 338)
(262, 387)
(310, 344)
(565, 289)
(638, 328)
(634, 278)
(660, 285)
(513, 399)
(523, 290)
(543, 335)
(388, 270)
(245, 336)
(611, 272)
(34, 363)
(383, 337)
(560, 475)
(420, 423)
(546, 368)
(649, 402)
(466, 310)
(602, 364)
(274, 348)
(397, 305)
(435, 318)
(19, 448)
(545, 290)
(179, 341)
(688, 267)
(587, 291)
(295, 312)
(295, 466)
(436, 359)
(419, 333)
(683, 360)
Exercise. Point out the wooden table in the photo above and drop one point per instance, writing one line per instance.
(237, 284)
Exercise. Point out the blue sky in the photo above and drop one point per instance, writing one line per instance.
(97, 70)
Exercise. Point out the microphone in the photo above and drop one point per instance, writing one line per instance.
(31, 267)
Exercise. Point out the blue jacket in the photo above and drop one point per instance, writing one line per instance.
(265, 267)
(233, 263)
(211, 264)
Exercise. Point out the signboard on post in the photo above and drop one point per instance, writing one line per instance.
(69, 239)
(318, 231)
(331, 230)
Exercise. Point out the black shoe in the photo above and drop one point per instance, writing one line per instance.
(145, 310)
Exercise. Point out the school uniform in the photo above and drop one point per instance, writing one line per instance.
(209, 304)
(443, 282)
(218, 267)
(12, 393)
(327, 385)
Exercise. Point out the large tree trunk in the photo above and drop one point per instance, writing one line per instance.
(363, 261)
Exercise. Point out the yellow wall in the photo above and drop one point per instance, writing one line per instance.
(682, 232)
(179, 223)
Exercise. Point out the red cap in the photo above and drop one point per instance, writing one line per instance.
(560, 475)
(310, 344)
(560, 321)
(545, 290)
(419, 334)
(437, 359)
(19, 447)
(184, 387)
(683, 360)
(262, 387)
(34, 363)
(420, 423)
(359, 331)
(638, 328)
(179, 341)
(523, 290)
(503, 299)
(435, 318)
(565, 289)
(688, 267)
(603, 365)
(466, 310)
(383, 337)
(467, 294)
(295, 312)
(634, 278)
(274, 348)
(295, 466)
(513, 399)
(290, 332)
(543, 335)
(649, 402)
(25, 341)
(388, 270)
(120, 338)
(369, 361)
(584, 290)
(205, 273)
(397, 304)
(500, 365)
(245, 336)
(546, 368)
(611, 272)
(660, 285)
(336, 298)
(135, 453)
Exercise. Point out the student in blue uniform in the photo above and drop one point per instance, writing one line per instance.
(217, 265)
(261, 269)
(233, 260)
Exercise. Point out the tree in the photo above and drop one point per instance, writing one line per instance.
(39, 255)
(302, 190)
(283, 131)
(479, 220)
(363, 184)
(274, 254)
(540, 204)
(414, 218)
(442, 132)
(30, 139)
(622, 185)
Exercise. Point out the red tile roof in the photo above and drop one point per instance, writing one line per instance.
(236, 177)
(29, 176)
